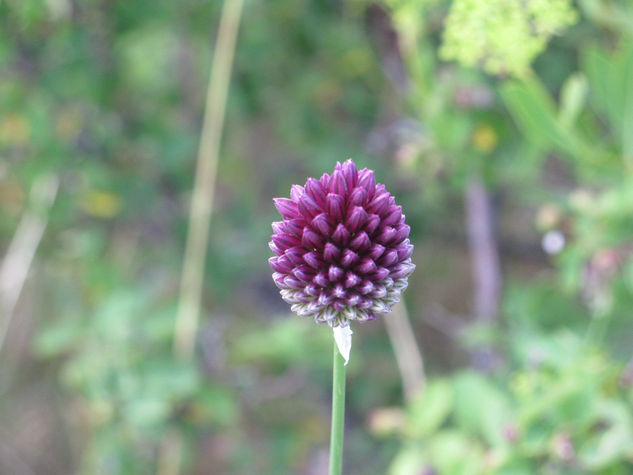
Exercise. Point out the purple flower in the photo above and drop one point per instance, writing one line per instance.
(342, 251)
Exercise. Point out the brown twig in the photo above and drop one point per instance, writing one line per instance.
(483, 251)
(19, 257)
(448, 323)
(202, 199)
(200, 211)
(408, 355)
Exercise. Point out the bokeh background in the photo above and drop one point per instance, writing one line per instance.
(504, 128)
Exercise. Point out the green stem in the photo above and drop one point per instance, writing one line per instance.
(597, 330)
(338, 414)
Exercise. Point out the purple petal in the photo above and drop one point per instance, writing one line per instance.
(273, 247)
(361, 242)
(311, 240)
(386, 235)
(339, 291)
(312, 289)
(367, 181)
(303, 297)
(308, 207)
(324, 299)
(284, 241)
(364, 303)
(303, 273)
(338, 305)
(281, 267)
(296, 191)
(278, 227)
(320, 223)
(405, 251)
(393, 216)
(355, 219)
(380, 274)
(365, 266)
(331, 252)
(294, 226)
(380, 204)
(350, 173)
(358, 197)
(313, 260)
(335, 205)
(292, 282)
(325, 181)
(379, 292)
(335, 273)
(338, 184)
(366, 287)
(341, 235)
(316, 191)
(402, 270)
(287, 208)
(391, 257)
(353, 299)
(372, 223)
(321, 279)
(351, 280)
(401, 234)
(278, 278)
(376, 251)
(295, 255)
(349, 258)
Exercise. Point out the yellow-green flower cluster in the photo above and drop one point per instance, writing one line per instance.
(503, 36)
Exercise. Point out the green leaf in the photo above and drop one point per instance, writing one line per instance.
(623, 77)
(613, 443)
(146, 412)
(409, 461)
(611, 80)
(454, 453)
(573, 97)
(535, 113)
(429, 410)
(58, 338)
(216, 404)
(172, 379)
(480, 408)
(597, 66)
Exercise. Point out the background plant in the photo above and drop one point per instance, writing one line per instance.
(528, 367)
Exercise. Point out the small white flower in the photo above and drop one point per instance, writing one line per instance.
(553, 242)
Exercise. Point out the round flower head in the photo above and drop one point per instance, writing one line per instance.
(342, 251)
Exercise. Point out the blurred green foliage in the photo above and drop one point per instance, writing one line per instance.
(533, 97)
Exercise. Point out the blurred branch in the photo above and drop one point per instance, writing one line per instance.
(408, 355)
(200, 211)
(17, 262)
(406, 350)
(286, 385)
(10, 457)
(442, 320)
(486, 269)
(170, 453)
(609, 15)
(387, 41)
(202, 199)
(483, 251)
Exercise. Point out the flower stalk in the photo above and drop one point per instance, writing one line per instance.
(338, 413)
